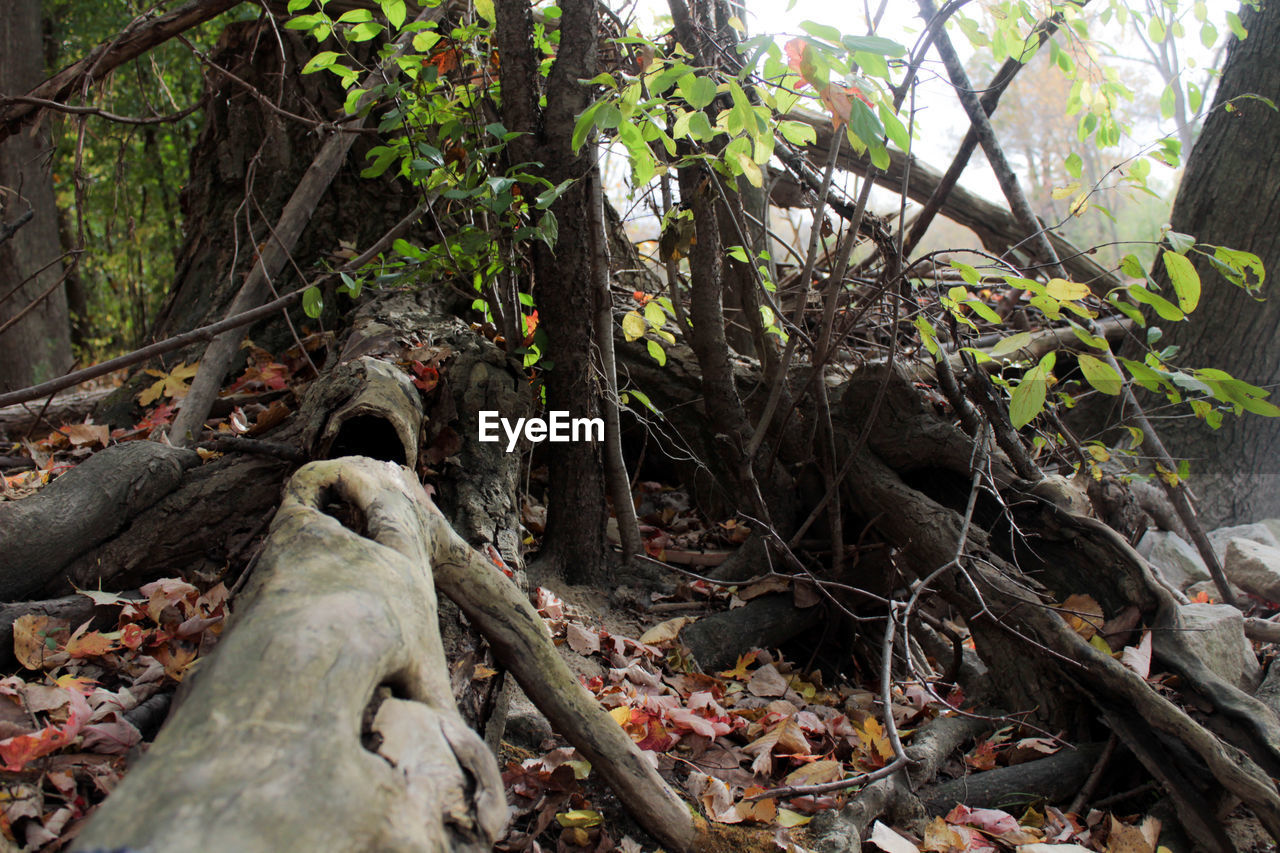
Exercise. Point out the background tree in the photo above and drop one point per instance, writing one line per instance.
(33, 300)
(1229, 193)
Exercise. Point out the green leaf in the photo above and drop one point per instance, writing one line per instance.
(700, 127)
(312, 302)
(928, 335)
(1236, 266)
(821, 31)
(1028, 398)
(355, 16)
(395, 12)
(968, 273)
(320, 61)
(738, 254)
(295, 5)
(1144, 375)
(583, 126)
(1100, 374)
(894, 128)
(872, 44)
(644, 400)
(547, 197)
(365, 32)
(1208, 34)
(1155, 29)
(1166, 309)
(1180, 242)
(633, 326)
(865, 125)
(656, 352)
(1073, 164)
(1010, 345)
(305, 22)
(484, 8)
(1127, 309)
(697, 91)
(1132, 267)
(1233, 21)
(654, 314)
(1185, 280)
(1168, 102)
(797, 132)
(549, 229)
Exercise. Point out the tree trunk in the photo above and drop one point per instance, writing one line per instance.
(37, 347)
(1228, 197)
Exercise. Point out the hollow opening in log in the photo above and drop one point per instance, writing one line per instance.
(368, 435)
(347, 514)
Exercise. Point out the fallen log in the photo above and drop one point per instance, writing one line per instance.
(270, 735)
(42, 535)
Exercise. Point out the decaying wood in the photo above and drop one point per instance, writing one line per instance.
(1054, 778)
(16, 420)
(1069, 555)
(242, 750)
(74, 608)
(267, 751)
(42, 535)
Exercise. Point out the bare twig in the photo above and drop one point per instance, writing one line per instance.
(45, 103)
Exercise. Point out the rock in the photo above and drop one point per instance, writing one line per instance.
(1210, 589)
(1215, 634)
(1175, 559)
(1259, 533)
(1253, 567)
(526, 725)
(1272, 524)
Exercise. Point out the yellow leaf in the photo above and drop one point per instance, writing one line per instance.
(1080, 205)
(175, 384)
(633, 326)
(1062, 192)
(579, 817)
(1060, 288)
(788, 818)
(621, 715)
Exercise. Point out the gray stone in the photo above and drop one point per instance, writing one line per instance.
(1211, 589)
(1253, 567)
(1215, 634)
(1175, 558)
(1272, 524)
(1259, 533)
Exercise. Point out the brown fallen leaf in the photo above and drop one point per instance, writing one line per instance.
(666, 632)
(767, 681)
(1083, 614)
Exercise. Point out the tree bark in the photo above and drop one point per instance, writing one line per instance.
(1228, 197)
(37, 347)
